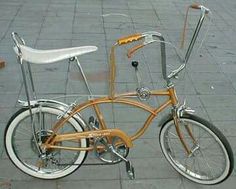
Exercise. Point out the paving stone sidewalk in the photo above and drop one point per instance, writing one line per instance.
(210, 83)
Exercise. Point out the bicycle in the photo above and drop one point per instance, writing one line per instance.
(48, 139)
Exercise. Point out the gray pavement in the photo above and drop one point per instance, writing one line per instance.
(210, 81)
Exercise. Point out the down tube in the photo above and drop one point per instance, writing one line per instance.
(142, 130)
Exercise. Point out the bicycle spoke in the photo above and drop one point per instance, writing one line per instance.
(209, 145)
(172, 134)
(193, 165)
(199, 165)
(174, 151)
(210, 168)
(23, 133)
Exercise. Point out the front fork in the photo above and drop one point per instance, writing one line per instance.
(177, 113)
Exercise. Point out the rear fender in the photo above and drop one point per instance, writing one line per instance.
(54, 104)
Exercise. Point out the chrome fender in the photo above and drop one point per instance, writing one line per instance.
(53, 104)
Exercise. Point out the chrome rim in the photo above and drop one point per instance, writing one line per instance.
(208, 161)
(58, 163)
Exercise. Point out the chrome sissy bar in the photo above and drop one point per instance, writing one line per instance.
(19, 41)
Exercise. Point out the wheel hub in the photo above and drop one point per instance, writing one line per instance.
(41, 137)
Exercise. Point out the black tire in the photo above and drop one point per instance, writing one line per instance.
(17, 135)
(196, 167)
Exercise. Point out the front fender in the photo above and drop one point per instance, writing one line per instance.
(164, 119)
(169, 116)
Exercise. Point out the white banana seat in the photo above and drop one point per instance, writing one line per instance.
(49, 56)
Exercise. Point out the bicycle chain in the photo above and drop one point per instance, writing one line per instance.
(87, 164)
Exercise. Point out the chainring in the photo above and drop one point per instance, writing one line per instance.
(102, 151)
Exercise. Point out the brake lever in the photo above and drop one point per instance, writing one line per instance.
(174, 73)
(148, 39)
(133, 49)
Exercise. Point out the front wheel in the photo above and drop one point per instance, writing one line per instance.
(22, 150)
(211, 158)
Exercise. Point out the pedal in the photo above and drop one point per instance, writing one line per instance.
(93, 123)
(121, 149)
(130, 170)
(91, 120)
(96, 124)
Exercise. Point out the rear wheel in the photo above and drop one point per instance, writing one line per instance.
(22, 150)
(211, 158)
